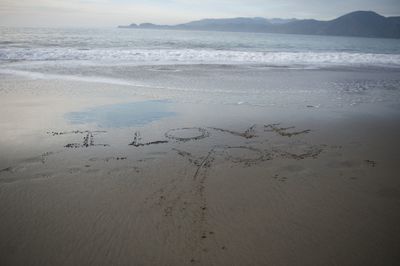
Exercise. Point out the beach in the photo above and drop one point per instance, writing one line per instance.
(98, 172)
(152, 147)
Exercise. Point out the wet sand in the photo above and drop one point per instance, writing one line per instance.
(193, 184)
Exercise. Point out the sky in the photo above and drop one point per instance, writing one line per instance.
(109, 13)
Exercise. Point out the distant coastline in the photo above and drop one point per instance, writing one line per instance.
(356, 24)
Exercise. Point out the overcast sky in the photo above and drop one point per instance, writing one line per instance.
(89, 13)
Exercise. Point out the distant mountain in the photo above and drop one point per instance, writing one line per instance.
(359, 23)
(281, 20)
(230, 24)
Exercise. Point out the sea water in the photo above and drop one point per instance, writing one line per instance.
(211, 67)
(135, 46)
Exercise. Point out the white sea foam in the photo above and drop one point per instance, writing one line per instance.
(106, 80)
(46, 76)
(193, 56)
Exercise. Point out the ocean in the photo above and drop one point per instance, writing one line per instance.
(128, 46)
(210, 67)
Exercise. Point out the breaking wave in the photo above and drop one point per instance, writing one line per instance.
(194, 56)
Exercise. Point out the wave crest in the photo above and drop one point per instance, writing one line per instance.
(192, 56)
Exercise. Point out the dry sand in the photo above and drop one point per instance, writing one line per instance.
(209, 185)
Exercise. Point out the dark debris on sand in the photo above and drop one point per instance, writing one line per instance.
(370, 163)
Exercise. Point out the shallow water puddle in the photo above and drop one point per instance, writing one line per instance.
(122, 115)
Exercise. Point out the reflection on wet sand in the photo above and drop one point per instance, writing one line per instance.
(122, 114)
